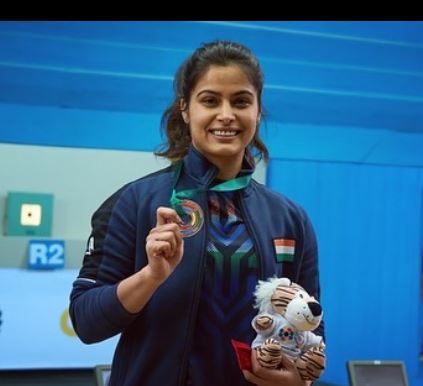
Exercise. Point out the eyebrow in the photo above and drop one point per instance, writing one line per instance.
(217, 93)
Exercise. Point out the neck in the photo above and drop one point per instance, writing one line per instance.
(228, 168)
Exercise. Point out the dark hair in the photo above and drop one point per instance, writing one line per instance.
(221, 53)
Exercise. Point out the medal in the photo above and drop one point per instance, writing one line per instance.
(191, 214)
(193, 218)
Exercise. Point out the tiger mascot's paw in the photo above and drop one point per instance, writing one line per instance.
(311, 363)
(269, 354)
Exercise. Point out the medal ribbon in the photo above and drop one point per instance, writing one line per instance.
(178, 197)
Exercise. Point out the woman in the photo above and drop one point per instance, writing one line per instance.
(180, 290)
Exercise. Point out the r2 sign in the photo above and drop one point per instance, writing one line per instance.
(46, 254)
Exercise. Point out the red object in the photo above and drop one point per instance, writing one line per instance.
(243, 354)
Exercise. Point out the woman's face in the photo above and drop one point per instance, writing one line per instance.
(223, 114)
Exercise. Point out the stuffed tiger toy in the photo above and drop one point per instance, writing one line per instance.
(287, 315)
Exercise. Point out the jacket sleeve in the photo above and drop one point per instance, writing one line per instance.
(95, 309)
(309, 277)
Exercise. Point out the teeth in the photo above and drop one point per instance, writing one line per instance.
(224, 133)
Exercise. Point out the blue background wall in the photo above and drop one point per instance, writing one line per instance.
(344, 128)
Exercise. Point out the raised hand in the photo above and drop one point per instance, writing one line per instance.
(164, 244)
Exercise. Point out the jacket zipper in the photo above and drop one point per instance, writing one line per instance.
(194, 308)
(254, 237)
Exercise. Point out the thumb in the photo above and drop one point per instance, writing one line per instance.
(166, 215)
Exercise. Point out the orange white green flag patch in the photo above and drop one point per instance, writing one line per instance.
(285, 250)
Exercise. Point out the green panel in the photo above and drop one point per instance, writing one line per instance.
(29, 214)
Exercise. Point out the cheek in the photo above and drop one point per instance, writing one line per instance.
(252, 127)
(198, 130)
(199, 119)
(251, 121)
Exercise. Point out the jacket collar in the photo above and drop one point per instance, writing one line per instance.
(199, 167)
(203, 171)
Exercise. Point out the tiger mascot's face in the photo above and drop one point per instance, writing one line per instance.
(300, 309)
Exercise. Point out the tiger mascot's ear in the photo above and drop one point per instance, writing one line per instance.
(264, 291)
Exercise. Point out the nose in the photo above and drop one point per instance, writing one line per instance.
(226, 114)
(315, 308)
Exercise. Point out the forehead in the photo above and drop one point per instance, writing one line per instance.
(230, 78)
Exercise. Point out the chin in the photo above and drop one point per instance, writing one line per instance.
(228, 151)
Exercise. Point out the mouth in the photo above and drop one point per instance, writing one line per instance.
(307, 319)
(225, 133)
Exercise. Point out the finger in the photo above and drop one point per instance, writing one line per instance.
(170, 227)
(166, 215)
(167, 236)
(271, 376)
(168, 232)
(178, 236)
(259, 371)
(250, 377)
(287, 362)
(254, 363)
(159, 249)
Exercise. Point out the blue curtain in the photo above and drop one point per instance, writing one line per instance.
(368, 221)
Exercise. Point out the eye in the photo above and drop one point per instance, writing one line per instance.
(242, 102)
(301, 296)
(209, 101)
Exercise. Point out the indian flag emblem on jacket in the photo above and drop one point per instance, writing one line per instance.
(285, 250)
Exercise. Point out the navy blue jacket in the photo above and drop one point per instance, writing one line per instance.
(155, 343)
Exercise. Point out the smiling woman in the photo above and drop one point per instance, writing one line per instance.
(174, 257)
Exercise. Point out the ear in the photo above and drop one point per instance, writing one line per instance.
(184, 107)
(258, 119)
